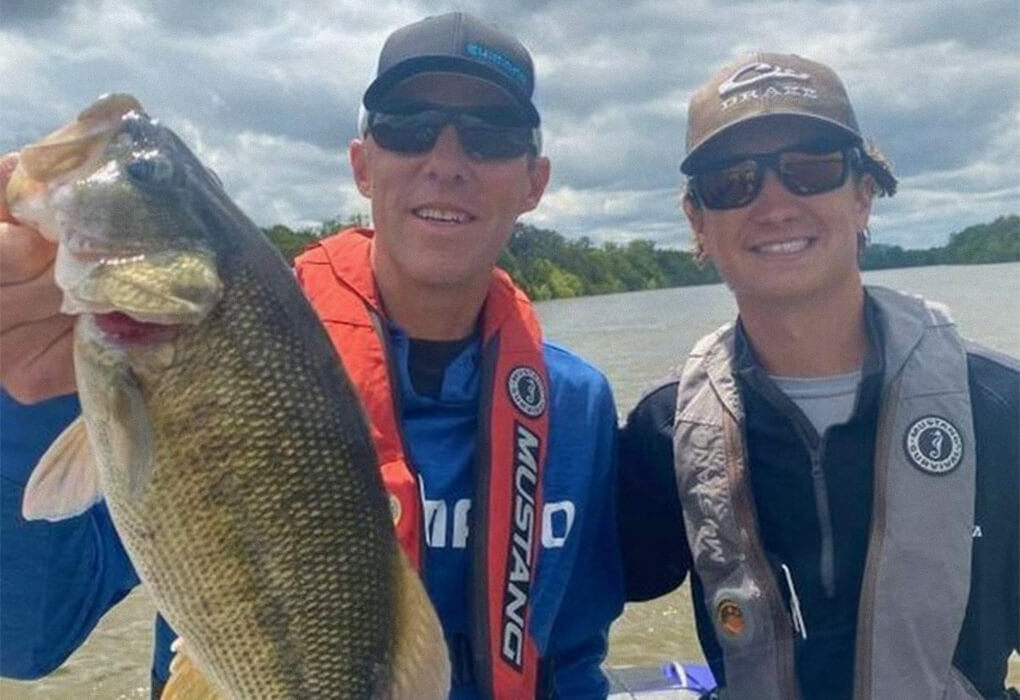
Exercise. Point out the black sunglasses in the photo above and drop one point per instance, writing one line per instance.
(485, 133)
(804, 169)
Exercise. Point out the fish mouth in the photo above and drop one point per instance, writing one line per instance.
(125, 330)
(135, 296)
(83, 247)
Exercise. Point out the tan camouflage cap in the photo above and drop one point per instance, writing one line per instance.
(766, 84)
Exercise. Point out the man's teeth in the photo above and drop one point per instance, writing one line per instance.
(794, 246)
(443, 215)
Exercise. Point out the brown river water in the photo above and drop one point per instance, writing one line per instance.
(634, 338)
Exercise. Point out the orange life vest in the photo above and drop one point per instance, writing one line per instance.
(337, 277)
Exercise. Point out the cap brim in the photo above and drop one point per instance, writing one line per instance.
(698, 151)
(380, 87)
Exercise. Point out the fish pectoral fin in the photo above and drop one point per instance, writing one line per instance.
(420, 669)
(131, 435)
(186, 681)
(65, 483)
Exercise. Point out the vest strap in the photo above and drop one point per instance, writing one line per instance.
(924, 483)
(513, 434)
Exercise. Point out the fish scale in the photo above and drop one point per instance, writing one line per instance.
(247, 517)
(233, 453)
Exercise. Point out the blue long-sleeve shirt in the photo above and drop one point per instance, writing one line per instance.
(56, 579)
(578, 585)
(59, 579)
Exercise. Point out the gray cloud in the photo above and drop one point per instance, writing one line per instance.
(208, 19)
(267, 93)
(979, 25)
(14, 12)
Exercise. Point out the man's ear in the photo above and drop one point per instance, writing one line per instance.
(358, 152)
(864, 194)
(539, 171)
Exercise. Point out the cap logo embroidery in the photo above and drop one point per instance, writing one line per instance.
(526, 391)
(761, 72)
(496, 60)
(933, 445)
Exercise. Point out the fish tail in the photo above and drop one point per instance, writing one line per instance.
(421, 662)
(186, 681)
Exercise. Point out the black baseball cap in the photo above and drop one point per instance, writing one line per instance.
(456, 42)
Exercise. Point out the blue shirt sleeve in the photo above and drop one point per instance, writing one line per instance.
(583, 443)
(56, 579)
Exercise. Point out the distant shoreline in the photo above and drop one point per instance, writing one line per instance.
(546, 265)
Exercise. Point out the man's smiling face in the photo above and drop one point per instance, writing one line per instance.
(781, 245)
(442, 217)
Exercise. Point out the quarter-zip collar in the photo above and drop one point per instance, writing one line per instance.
(752, 373)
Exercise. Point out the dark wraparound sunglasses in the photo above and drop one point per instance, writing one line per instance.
(804, 169)
(484, 133)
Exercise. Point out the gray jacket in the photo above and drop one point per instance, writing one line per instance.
(917, 577)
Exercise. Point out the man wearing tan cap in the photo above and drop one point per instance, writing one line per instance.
(506, 513)
(847, 466)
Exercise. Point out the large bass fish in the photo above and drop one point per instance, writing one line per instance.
(220, 427)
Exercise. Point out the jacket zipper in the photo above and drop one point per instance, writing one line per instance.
(816, 454)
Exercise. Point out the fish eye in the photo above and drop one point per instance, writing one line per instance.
(151, 169)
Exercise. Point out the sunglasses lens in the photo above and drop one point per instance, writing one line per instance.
(494, 142)
(730, 187)
(480, 138)
(812, 173)
(404, 134)
(803, 170)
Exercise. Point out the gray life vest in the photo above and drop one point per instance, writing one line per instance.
(917, 575)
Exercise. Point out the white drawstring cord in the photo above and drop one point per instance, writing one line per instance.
(798, 619)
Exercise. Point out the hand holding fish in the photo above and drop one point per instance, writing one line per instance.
(35, 338)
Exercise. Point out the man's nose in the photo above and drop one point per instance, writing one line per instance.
(447, 158)
(774, 202)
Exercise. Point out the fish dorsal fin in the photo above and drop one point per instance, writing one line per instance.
(65, 483)
(186, 681)
(421, 662)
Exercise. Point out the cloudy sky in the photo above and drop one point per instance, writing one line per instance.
(266, 93)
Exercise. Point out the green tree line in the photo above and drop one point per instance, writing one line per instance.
(548, 266)
(998, 241)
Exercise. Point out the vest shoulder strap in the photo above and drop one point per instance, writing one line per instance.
(513, 437)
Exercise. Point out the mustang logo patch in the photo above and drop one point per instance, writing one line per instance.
(933, 445)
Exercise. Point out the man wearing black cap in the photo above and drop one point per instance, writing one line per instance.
(506, 518)
(847, 466)
(506, 512)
